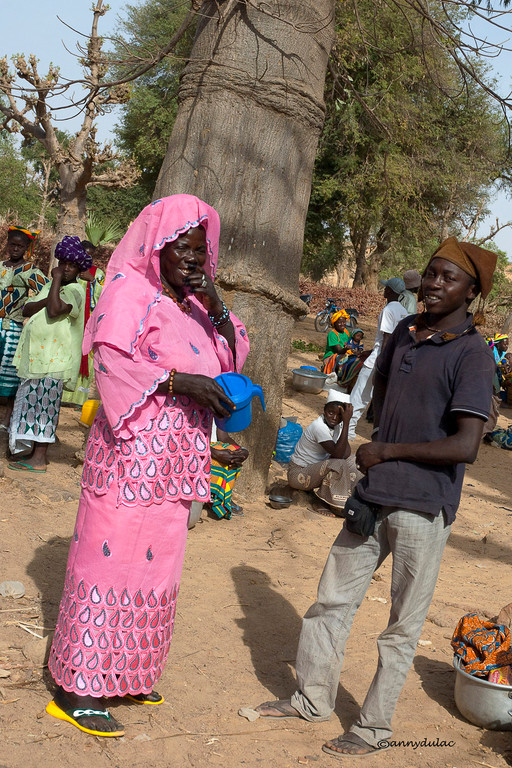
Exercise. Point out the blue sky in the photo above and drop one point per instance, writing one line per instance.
(39, 31)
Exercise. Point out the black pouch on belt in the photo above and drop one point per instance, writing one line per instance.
(360, 515)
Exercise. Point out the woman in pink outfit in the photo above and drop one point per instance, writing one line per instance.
(160, 334)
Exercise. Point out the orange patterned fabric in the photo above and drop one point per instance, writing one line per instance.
(481, 645)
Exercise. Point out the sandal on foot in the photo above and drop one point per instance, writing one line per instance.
(73, 716)
(350, 741)
(153, 698)
(22, 466)
(283, 706)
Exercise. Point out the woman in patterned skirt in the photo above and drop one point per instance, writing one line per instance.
(160, 334)
(48, 357)
(17, 278)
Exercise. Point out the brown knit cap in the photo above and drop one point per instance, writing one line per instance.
(475, 261)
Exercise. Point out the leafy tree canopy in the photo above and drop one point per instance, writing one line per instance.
(149, 114)
(409, 152)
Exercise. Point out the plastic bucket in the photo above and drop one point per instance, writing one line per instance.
(89, 409)
(486, 704)
(241, 391)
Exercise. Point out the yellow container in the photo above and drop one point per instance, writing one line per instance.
(89, 409)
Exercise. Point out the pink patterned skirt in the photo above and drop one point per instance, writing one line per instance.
(117, 610)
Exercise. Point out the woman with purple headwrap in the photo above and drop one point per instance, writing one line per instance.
(48, 357)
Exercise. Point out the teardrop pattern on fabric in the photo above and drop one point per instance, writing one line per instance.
(93, 662)
(111, 598)
(100, 619)
(114, 620)
(140, 446)
(174, 445)
(125, 598)
(128, 620)
(99, 662)
(106, 549)
(149, 554)
(95, 596)
(163, 424)
(193, 465)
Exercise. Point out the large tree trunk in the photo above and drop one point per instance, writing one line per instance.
(72, 215)
(250, 114)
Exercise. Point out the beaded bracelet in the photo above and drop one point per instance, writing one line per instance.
(171, 381)
(224, 317)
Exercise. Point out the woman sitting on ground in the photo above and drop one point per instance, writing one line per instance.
(347, 367)
(337, 339)
(322, 460)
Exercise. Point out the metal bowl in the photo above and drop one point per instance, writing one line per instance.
(279, 502)
(488, 705)
(304, 380)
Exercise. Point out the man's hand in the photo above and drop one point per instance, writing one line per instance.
(370, 454)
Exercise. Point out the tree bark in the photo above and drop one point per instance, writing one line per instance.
(359, 237)
(250, 113)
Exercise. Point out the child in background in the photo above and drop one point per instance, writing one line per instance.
(354, 345)
(48, 357)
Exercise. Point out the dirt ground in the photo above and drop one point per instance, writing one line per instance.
(246, 583)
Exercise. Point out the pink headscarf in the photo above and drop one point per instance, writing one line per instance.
(132, 283)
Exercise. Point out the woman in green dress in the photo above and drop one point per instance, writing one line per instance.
(48, 357)
(337, 339)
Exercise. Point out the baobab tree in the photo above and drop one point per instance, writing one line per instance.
(81, 161)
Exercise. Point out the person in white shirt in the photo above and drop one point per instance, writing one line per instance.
(389, 318)
(322, 462)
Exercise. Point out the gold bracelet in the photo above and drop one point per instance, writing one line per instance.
(171, 381)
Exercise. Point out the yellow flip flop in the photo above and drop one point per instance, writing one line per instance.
(160, 699)
(72, 715)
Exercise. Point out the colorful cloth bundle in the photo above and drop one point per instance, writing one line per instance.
(481, 645)
(222, 481)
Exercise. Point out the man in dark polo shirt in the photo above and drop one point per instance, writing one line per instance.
(432, 395)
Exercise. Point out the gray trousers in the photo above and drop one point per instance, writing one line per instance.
(416, 541)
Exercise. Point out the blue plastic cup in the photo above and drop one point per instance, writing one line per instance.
(241, 391)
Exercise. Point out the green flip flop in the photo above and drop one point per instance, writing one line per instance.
(22, 466)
